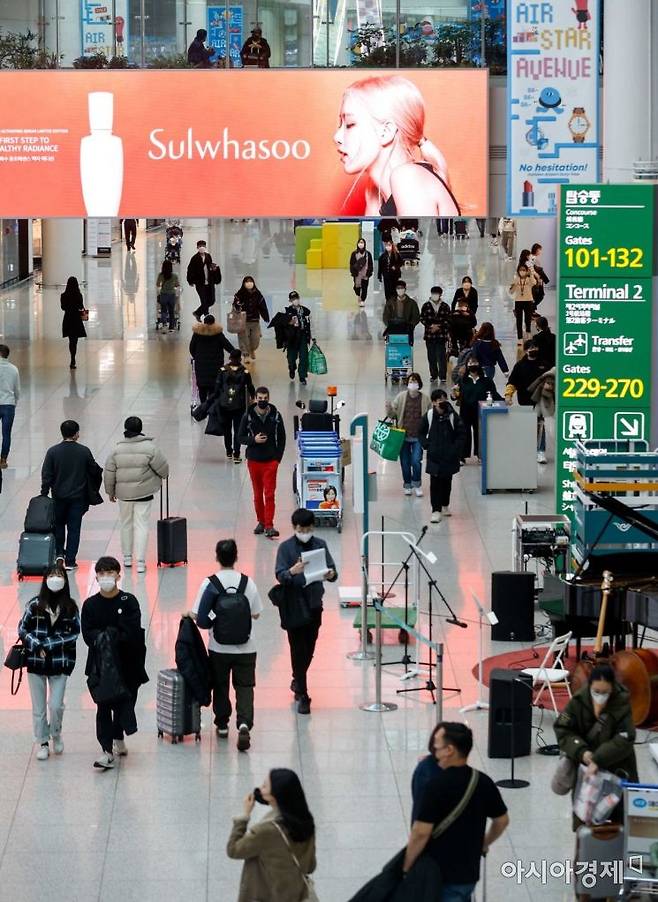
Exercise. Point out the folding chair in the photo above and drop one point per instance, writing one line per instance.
(556, 675)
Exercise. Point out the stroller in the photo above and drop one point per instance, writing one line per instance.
(173, 241)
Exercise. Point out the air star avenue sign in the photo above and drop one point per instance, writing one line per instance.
(604, 353)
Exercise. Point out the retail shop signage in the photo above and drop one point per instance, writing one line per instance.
(96, 21)
(243, 143)
(605, 321)
(553, 101)
(225, 31)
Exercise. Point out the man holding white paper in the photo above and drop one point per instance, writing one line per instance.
(304, 562)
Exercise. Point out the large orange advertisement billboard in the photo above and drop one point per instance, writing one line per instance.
(239, 143)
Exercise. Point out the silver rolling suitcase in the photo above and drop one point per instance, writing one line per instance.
(177, 714)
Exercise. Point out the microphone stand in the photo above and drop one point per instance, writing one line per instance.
(404, 568)
(430, 686)
(513, 783)
(478, 704)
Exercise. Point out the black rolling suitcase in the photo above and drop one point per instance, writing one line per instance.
(40, 515)
(36, 554)
(172, 535)
(177, 713)
(460, 228)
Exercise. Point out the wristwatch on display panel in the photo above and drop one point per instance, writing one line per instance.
(579, 124)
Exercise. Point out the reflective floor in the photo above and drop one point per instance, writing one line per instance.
(156, 827)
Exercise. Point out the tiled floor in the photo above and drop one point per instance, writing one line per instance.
(156, 827)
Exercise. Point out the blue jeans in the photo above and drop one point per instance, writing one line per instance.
(458, 892)
(68, 517)
(168, 310)
(7, 412)
(541, 433)
(411, 459)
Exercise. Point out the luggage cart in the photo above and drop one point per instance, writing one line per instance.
(399, 359)
(318, 476)
(640, 840)
(158, 315)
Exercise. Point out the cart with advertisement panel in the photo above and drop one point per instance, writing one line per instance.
(640, 840)
(319, 484)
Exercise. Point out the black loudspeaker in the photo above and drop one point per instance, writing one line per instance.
(510, 692)
(513, 603)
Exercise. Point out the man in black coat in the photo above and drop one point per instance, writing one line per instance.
(443, 435)
(117, 612)
(263, 433)
(70, 472)
(204, 275)
(198, 55)
(255, 50)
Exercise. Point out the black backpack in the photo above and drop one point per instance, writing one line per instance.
(232, 624)
(232, 396)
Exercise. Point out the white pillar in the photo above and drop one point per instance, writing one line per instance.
(61, 251)
(630, 87)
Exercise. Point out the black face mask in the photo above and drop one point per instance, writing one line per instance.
(532, 356)
(258, 797)
(262, 405)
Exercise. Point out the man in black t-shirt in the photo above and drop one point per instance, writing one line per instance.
(458, 849)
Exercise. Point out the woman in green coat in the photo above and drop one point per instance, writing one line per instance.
(596, 729)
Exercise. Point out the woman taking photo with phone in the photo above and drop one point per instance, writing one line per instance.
(49, 629)
(279, 851)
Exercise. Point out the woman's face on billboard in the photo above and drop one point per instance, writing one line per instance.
(357, 138)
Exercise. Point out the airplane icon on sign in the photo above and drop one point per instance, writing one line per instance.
(575, 344)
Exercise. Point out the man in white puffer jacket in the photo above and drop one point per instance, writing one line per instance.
(133, 474)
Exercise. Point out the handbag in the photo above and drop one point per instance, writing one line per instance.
(236, 321)
(317, 362)
(387, 440)
(538, 293)
(293, 606)
(84, 315)
(564, 778)
(311, 895)
(15, 661)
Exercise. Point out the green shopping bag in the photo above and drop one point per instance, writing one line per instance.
(387, 440)
(317, 362)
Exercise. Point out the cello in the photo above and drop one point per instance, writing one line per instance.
(600, 655)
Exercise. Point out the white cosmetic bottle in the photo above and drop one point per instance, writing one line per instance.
(101, 159)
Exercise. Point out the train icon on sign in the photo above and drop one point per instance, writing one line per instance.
(576, 344)
(577, 425)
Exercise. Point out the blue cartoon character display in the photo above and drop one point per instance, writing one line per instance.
(549, 99)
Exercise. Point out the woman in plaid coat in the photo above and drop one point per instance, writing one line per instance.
(49, 629)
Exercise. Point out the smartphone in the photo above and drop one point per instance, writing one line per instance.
(258, 796)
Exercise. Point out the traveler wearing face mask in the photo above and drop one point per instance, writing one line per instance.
(524, 373)
(279, 850)
(289, 568)
(361, 269)
(204, 275)
(233, 388)
(298, 336)
(472, 389)
(462, 324)
(408, 408)
(466, 293)
(596, 729)
(524, 301)
(443, 436)
(401, 313)
(249, 300)
(49, 630)
(264, 434)
(112, 630)
(435, 317)
(389, 267)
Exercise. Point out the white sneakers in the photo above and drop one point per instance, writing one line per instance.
(407, 491)
(446, 512)
(436, 517)
(58, 745)
(541, 457)
(105, 762)
(127, 560)
(44, 752)
(119, 748)
(141, 566)
(419, 492)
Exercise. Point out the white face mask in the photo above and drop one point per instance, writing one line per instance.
(107, 583)
(304, 537)
(599, 698)
(55, 583)
(400, 292)
(413, 387)
(435, 298)
(295, 302)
